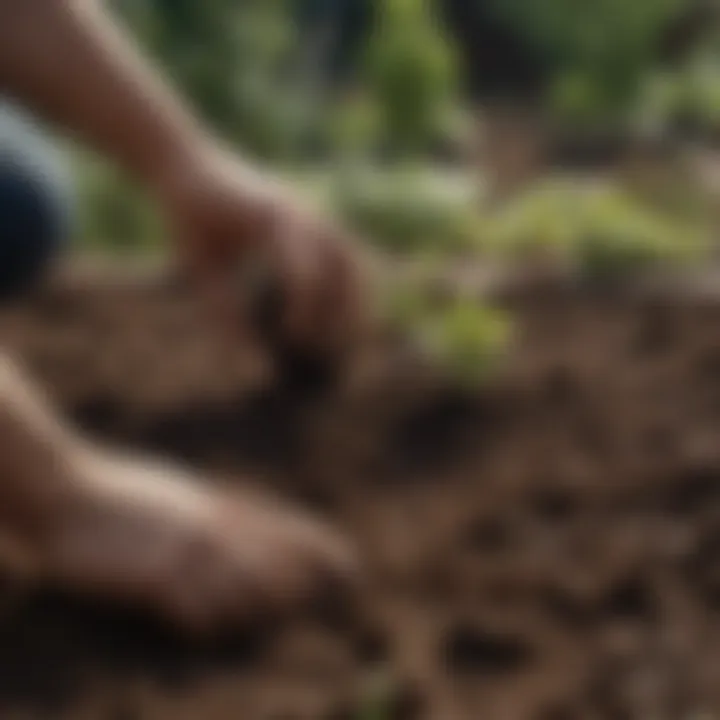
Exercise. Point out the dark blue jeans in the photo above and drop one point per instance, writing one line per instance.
(35, 202)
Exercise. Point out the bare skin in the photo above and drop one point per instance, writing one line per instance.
(137, 529)
(68, 60)
(144, 531)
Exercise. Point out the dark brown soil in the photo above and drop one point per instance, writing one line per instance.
(546, 549)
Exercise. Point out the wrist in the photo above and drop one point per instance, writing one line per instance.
(203, 175)
(171, 164)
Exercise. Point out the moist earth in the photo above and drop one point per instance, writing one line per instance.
(544, 548)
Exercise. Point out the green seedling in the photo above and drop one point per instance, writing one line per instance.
(465, 337)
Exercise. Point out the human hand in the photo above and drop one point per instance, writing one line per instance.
(240, 235)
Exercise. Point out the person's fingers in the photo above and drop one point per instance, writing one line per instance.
(321, 274)
(214, 282)
(216, 265)
(342, 300)
(296, 264)
(253, 298)
(329, 302)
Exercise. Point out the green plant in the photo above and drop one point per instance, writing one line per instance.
(689, 97)
(356, 126)
(619, 238)
(600, 52)
(468, 338)
(603, 232)
(412, 72)
(407, 211)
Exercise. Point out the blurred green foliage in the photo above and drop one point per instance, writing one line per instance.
(411, 72)
(601, 232)
(470, 339)
(238, 61)
(601, 52)
(115, 214)
(260, 77)
(467, 337)
(408, 210)
(687, 99)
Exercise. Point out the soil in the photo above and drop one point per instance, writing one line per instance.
(545, 548)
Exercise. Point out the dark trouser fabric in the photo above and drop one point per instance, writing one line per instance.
(35, 202)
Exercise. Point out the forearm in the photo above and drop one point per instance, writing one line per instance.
(66, 60)
(36, 452)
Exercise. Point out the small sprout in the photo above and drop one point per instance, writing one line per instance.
(469, 339)
(377, 697)
(466, 337)
(385, 697)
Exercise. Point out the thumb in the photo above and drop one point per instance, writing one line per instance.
(211, 267)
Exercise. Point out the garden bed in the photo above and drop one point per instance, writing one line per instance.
(544, 548)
